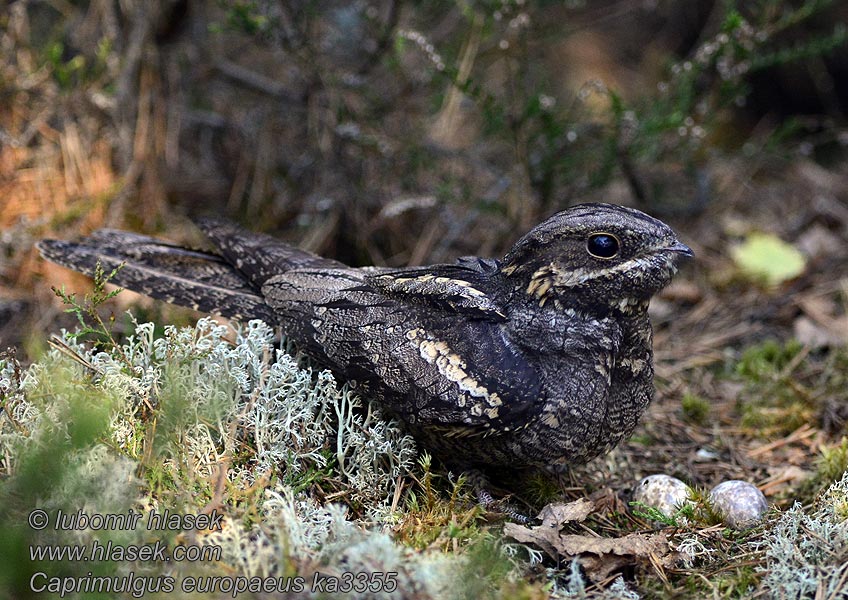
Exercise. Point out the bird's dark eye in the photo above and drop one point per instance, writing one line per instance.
(602, 245)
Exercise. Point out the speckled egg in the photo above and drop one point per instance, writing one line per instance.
(663, 492)
(741, 504)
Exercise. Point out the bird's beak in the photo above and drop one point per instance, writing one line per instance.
(681, 248)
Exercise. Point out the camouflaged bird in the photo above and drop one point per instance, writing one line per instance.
(543, 357)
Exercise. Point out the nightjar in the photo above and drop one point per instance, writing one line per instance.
(540, 358)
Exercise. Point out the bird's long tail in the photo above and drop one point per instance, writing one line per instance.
(228, 283)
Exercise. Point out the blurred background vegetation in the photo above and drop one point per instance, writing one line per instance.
(390, 132)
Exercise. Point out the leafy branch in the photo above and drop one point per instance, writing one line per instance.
(91, 323)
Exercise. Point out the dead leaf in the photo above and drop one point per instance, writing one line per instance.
(818, 308)
(818, 240)
(783, 478)
(555, 515)
(598, 556)
(765, 257)
(815, 336)
(820, 325)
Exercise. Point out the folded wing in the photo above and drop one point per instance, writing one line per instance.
(390, 330)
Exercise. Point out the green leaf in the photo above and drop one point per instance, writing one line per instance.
(767, 258)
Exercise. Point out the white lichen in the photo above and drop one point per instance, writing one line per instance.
(807, 552)
(199, 402)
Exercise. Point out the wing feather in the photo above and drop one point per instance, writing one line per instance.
(456, 287)
(399, 348)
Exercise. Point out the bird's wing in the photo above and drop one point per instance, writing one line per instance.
(445, 359)
(460, 288)
(200, 280)
(429, 342)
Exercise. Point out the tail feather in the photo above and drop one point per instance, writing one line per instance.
(199, 280)
(259, 257)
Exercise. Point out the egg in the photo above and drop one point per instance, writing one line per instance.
(740, 504)
(662, 492)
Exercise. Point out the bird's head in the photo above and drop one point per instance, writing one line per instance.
(595, 256)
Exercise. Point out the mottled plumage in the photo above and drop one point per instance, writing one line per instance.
(543, 357)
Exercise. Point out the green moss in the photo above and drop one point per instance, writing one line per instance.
(59, 463)
(831, 465)
(730, 582)
(695, 408)
(643, 439)
(833, 461)
(738, 582)
(488, 574)
(775, 401)
(765, 361)
(438, 512)
(655, 515)
(541, 488)
(785, 386)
